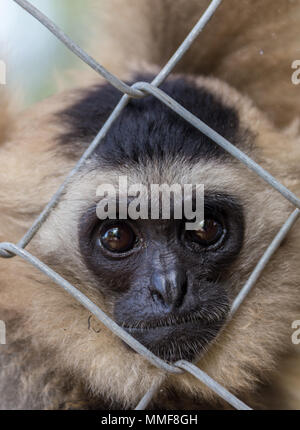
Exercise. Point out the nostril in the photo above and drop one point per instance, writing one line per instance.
(158, 288)
(157, 296)
(182, 290)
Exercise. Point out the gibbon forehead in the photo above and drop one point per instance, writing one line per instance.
(149, 130)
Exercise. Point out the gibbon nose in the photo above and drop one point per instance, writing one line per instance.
(169, 288)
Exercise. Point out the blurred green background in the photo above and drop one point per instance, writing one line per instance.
(34, 57)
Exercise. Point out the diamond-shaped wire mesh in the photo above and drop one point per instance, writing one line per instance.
(138, 90)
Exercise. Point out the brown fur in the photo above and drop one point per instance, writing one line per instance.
(57, 356)
(249, 44)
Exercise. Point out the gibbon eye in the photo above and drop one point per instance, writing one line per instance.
(209, 233)
(118, 237)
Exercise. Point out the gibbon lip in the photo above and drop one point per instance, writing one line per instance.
(175, 321)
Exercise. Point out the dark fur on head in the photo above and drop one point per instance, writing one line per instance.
(147, 129)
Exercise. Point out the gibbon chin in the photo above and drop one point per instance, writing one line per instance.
(171, 288)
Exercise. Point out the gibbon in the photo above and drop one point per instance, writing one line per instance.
(169, 287)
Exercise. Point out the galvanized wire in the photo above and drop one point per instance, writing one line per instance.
(272, 248)
(149, 395)
(138, 90)
(214, 385)
(186, 44)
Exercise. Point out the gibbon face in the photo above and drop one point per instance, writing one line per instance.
(168, 283)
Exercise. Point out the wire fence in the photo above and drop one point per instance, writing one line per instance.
(139, 90)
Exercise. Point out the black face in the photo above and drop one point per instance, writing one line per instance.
(168, 285)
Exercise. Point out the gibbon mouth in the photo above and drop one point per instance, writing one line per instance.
(177, 338)
(174, 320)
